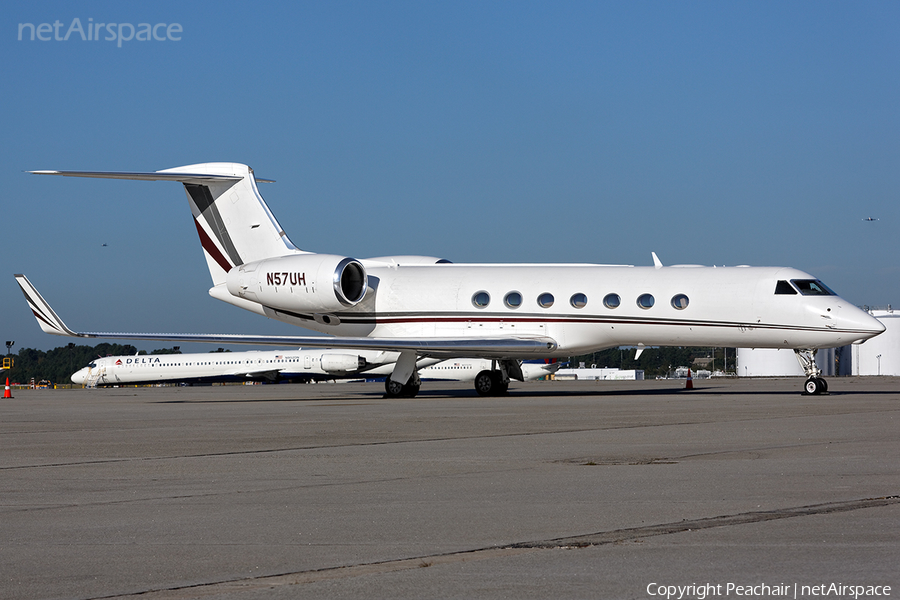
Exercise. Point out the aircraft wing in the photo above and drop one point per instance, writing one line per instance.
(444, 347)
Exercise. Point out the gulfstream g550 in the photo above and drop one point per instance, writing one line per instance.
(423, 306)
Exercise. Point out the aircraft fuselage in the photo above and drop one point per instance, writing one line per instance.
(588, 307)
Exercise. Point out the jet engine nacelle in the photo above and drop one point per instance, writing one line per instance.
(340, 364)
(320, 283)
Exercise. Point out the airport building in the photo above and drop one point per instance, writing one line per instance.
(775, 362)
(881, 354)
(595, 374)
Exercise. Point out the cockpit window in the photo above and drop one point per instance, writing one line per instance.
(812, 287)
(783, 287)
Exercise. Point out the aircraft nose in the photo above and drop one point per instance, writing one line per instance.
(80, 376)
(861, 321)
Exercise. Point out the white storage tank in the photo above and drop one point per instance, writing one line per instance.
(881, 354)
(779, 362)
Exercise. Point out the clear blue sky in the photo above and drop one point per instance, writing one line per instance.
(729, 133)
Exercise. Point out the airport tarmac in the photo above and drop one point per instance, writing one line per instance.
(559, 490)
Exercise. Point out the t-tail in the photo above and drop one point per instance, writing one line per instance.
(234, 224)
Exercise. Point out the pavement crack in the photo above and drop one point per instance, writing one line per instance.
(622, 535)
(581, 541)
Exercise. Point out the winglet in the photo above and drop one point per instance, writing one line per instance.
(45, 315)
(656, 262)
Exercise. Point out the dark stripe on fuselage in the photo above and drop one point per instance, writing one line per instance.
(438, 318)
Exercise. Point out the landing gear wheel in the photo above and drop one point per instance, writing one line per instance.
(490, 383)
(815, 386)
(394, 389)
(484, 383)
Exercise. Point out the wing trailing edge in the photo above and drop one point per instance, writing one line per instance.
(447, 347)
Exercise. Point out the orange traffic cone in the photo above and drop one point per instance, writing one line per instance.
(7, 393)
(690, 382)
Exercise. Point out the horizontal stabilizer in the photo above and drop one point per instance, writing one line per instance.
(164, 175)
(233, 222)
(197, 178)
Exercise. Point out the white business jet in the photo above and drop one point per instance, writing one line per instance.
(423, 306)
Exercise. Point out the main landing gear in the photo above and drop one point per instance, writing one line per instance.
(490, 382)
(815, 384)
(395, 389)
(495, 382)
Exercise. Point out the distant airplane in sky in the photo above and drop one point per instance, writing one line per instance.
(870, 219)
(425, 307)
(273, 366)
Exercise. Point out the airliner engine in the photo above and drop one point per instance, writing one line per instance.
(306, 282)
(341, 364)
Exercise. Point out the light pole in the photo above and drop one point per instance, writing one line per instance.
(878, 358)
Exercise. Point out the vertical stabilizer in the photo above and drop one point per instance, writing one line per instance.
(234, 224)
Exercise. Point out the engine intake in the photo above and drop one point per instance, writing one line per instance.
(304, 282)
(341, 364)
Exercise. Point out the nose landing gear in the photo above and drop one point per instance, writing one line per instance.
(815, 384)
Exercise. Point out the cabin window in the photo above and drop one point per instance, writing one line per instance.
(546, 300)
(784, 288)
(481, 299)
(612, 301)
(680, 301)
(812, 287)
(513, 300)
(578, 300)
(646, 301)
